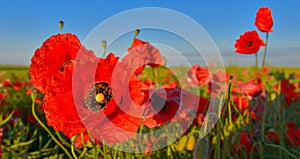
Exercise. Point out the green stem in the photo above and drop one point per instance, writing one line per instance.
(104, 53)
(264, 115)
(153, 73)
(256, 61)
(136, 33)
(252, 149)
(263, 123)
(104, 150)
(2, 122)
(33, 97)
(220, 105)
(72, 146)
(282, 148)
(218, 148)
(140, 136)
(261, 151)
(265, 52)
(62, 139)
(225, 141)
(228, 101)
(83, 152)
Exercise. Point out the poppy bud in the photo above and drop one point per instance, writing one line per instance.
(34, 95)
(61, 25)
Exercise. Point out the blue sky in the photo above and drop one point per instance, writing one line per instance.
(26, 24)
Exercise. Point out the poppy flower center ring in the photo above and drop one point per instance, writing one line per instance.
(181, 41)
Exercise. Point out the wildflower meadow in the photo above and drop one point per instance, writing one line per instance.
(71, 103)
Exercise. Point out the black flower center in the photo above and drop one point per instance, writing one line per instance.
(249, 43)
(98, 96)
(63, 65)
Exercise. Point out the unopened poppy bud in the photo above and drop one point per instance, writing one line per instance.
(61, 25)
(34, 95)
(201, 148)
(136, 33)
(104, 44)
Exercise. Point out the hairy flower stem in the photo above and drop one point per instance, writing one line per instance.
(282, 148)
(153, 75)
(83, 153)
(265, 52)
(72, 146)
(105, 155)
(33, 98)
(228, 100)
(263, 124)
(136, 33)
(264, 116)
(218, 144)
(256, 61)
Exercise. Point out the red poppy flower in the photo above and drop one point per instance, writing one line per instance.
(162, 106)
(220, 76)
(81, 99)
(18, 112)
(58, 105)
(272, 135)
(288, 89)
(31, 119)
(241, 102)
(264, 20)
(173, 84)
(199, 75)
(141, 54)
(6, 83)
(130, 89)
(17, 85)
(55, 53)
(294, 135)
(191, 106)
(245, 141)
(1, 96)
(251, 89)
(139, 90)
(248, 43)
(290, 124)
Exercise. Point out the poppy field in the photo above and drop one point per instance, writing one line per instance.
(69, 103)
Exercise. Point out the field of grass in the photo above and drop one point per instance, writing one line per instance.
(8, 71)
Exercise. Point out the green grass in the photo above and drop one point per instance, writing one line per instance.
(10, 71)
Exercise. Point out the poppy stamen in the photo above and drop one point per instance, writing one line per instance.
(98, 96)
